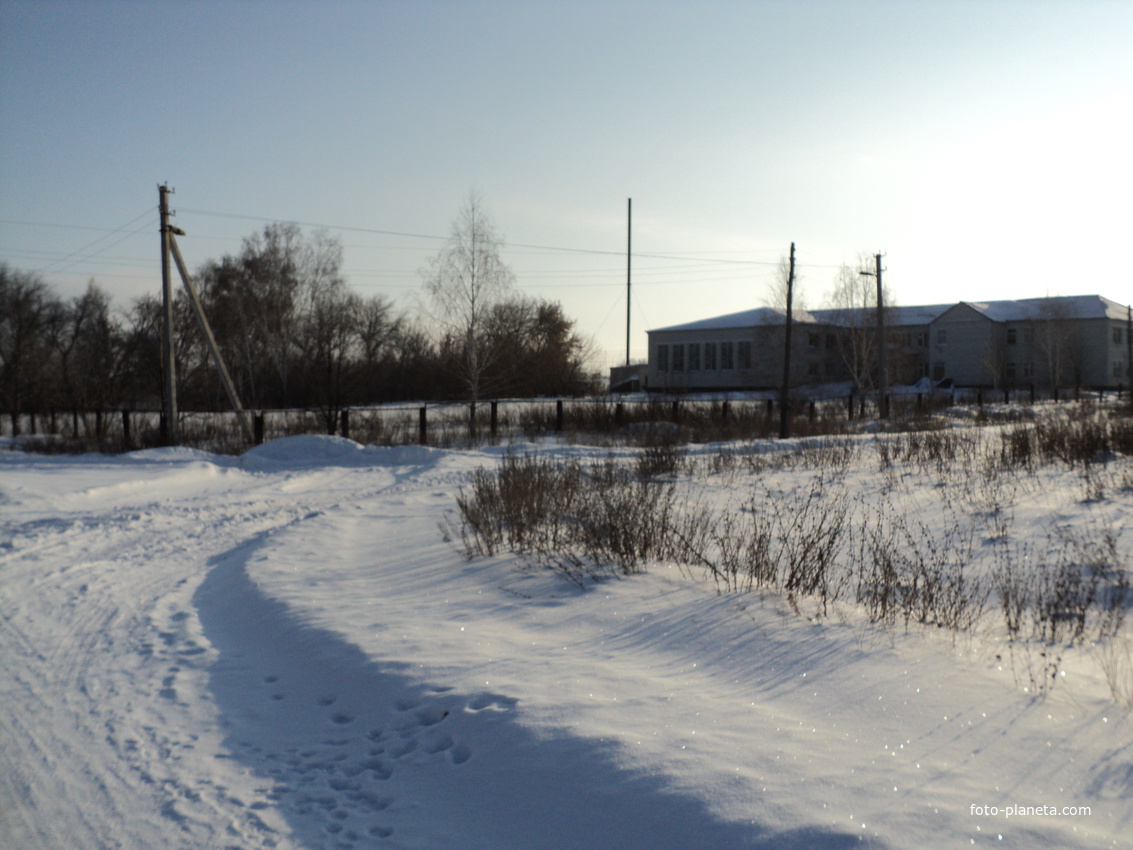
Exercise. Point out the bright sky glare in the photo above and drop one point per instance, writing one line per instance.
(984, 147)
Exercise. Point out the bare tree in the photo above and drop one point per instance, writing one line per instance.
(259, 305)
(1055, 342)
(539, 351)
(30, 317)
(464, 281)
(855, 295)
(90, 347)
(777, 288)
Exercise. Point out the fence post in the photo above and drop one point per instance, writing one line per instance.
(258, 429)
(495, 419)
(345, 423)
(676, 411)
(850, 406)
(559, 415)
(770, 408)
(126, 429)
(619, 413)
(422, 427)
(725, 410)
(811, 412)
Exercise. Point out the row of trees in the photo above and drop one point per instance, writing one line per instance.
(294, 334)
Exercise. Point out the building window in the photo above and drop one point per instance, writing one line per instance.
(812, 369)
(1117, 338)
(942, 337)
(1011, 334)
(938, 371)
(922, 339)
(662, 358)
(726, 361)
(710, 357)
(743, 354)
(813, 339)
(1010, 371)
(678, 358)
(1028, 370)
(694, 357)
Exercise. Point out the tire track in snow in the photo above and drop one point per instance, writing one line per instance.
(94, 750)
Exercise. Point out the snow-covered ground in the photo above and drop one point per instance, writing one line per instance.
(282, 650)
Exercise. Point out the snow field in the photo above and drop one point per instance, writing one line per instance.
(280, 650)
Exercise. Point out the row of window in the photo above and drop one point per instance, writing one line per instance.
(706, 356)
(1013, 336)
(1011, 371)
(1026, 371)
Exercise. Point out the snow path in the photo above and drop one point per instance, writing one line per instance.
(99, 647)
(353, 749)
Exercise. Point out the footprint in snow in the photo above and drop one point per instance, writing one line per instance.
(460, 753)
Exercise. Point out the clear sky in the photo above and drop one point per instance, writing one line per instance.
(985, 147)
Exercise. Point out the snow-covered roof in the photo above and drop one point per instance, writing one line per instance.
(1055, 307)
(757, 318)
(894, 316)
(1066, 306)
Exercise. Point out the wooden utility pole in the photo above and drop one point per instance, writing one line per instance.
(784, 393)
(629, 259)
(169, 434)
(1129, 352)
(882, 372)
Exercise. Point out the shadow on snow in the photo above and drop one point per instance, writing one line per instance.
(355, 753)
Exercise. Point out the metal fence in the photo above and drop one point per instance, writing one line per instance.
(686, 417)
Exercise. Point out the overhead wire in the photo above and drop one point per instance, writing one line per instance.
(693, 266)
(50, 267)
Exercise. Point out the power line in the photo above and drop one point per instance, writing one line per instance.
(86, 257)
(690, 271)
(433, 237)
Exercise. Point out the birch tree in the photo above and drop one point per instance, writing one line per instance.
(464, 281)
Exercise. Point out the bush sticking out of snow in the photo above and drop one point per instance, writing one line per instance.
(819, 541)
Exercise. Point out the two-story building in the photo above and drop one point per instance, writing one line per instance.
(1076, 340)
